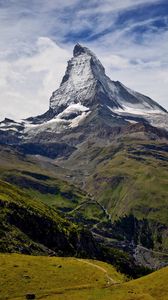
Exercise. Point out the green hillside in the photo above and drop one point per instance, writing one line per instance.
(133, 180)
(29, 226)
(129, 178)
(70, 278)
(106, 195)
(40, 181)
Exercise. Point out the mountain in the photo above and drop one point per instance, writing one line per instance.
(99, 157)
(86, 98)
(85, 87)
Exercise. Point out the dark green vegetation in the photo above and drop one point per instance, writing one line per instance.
(118, 192)
(35, 209)
(53, 278)
(29, 226)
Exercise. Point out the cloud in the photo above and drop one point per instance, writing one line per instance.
(26, 83)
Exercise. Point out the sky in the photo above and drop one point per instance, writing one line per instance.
(130, 37)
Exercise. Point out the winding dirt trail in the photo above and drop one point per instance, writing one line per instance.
(110, 280)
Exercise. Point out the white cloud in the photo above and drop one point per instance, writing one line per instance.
(107, 6)
(27, 83)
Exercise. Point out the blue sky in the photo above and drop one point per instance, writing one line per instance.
(130, 37)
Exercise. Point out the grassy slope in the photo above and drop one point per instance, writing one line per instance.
(68, 278)
(132, 180)
(25, 172)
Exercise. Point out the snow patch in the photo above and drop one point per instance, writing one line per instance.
(9, 128)
(155, 117)
(75, 122)
(131, 121)
(137, 110)
(73, 108)
(59, 123)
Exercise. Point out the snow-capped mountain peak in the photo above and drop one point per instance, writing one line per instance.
(79, 82)
(86, 83)
(86, 94)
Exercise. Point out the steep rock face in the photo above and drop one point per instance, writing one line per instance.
(79, 83)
